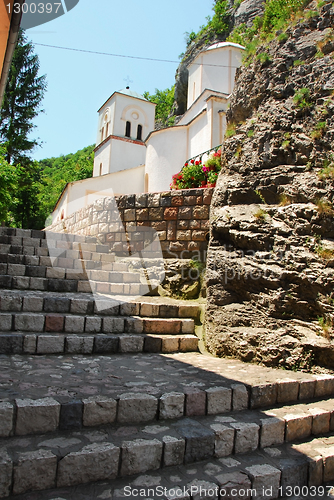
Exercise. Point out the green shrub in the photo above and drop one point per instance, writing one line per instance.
(319, 130)
(263, 57)
(302, 98)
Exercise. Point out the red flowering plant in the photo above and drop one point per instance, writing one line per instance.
(195, 174)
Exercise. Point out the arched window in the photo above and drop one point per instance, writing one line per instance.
(102, 134)
(128, 129)
(100, 168)
(139, 132)
(107, 130)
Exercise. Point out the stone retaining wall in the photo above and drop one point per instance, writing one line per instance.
(181, 219)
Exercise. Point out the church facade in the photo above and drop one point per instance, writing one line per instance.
(131, 157)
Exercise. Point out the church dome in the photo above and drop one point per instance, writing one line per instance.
(131, 93)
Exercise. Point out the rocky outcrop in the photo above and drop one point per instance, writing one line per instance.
(271, 255)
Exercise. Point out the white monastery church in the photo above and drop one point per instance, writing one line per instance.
(131, 157)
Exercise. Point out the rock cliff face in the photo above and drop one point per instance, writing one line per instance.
(271, 255)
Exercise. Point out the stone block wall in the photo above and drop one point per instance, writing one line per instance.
(181, 219)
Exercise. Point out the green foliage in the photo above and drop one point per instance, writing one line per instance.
(57, 172)
(8, 182)
(283, 37)
(302, 98)
(319, 130)
(260, 215)
(250, 133)
(260, 195)
(231, 130)
(327, 172)
(263, 57)
(217, 25)
(164, 100)
(23, 96)
(298, 62)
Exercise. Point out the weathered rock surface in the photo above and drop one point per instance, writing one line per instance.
(271, 254)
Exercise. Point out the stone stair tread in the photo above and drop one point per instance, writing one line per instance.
(283, 467)
(43, 376)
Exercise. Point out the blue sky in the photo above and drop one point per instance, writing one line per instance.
(79, 83)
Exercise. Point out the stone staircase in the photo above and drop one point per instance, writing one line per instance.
(101, 402)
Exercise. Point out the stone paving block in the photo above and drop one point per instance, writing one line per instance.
(272, 431)
(39, 284)
(188, 326)
(54, 323)
(36, 416)
(6, 419)
(324, 385)
(11, 344)
(149, 310)
(33, 304)
(188, 344)
(129, 309)
(140, 455)
(263, 395)
(131, 343)
(113, 325)
(203, 489)
(219, 400)
(81, 306)
(50, 344)
(35, 470)
(79, 345)
(29, 344)
(152, 344)
(57, 304)
(247, 436)
(189, 311)
(5, 322)
(134, 325)
(10, 303)
(16, 270)
(200, 441)
(29, 322)
(99, 410)
(106, 344)
(169, 326)
(93, 324)
(134, 407)
(298, 426)
(224, 440)
(169, 343)
(287, 390)
(6, 472)
(239, 397)
(293, 472)
(265, 480)
(95, 462)
(195, 403)
(174, 449)
(171, 405)
(21, 282)
(320, 421)
(306, 389)
(71, 415)
(327, 453)
(74, 324)
(234, 485)
(55, 272)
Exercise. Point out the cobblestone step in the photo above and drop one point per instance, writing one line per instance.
(69, 458)
(27, 343)
(215, 479)
(71, 323)
(17, 301)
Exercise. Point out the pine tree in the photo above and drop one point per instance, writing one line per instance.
(23, 96)
(21, 104)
